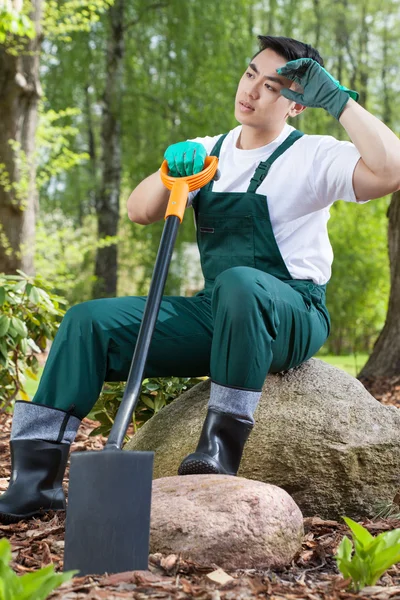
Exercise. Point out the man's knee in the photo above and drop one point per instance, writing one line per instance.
(239, 291)
(83, 315)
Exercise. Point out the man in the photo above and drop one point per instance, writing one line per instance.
(266, 259)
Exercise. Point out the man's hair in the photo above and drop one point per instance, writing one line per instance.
(288, 48)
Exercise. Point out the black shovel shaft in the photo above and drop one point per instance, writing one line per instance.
(134, 383)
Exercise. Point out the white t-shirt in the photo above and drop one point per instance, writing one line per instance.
(300, 187)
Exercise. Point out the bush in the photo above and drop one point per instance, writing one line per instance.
(156, 393)
(30, 316)
(372, 556)
(32, 586)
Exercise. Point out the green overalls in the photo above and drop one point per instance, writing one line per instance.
(251, 318)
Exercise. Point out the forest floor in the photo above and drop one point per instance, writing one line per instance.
(312, 575)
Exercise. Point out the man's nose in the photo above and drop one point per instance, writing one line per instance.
(254, 91)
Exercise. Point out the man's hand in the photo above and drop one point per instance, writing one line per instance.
(320, 89)
(185, 158)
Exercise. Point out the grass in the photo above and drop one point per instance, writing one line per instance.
(350, 363)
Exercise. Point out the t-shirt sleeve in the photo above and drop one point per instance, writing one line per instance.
(332, 173)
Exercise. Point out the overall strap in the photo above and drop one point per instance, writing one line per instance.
(215, 152)
(217, 148)
(264, 167)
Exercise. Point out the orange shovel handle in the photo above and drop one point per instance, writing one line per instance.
(181, 186)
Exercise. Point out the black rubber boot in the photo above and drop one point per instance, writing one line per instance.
(37, 471)
(220, 447)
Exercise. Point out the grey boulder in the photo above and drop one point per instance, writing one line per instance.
(319, 435)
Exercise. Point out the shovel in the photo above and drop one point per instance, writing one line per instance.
(109, 499)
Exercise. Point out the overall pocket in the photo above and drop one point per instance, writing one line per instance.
(225, 242)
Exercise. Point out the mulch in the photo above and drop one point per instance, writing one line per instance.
(312, 575)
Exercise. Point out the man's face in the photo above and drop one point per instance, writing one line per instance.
(258, 102)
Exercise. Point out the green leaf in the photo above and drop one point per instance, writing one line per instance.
(29, 373)
(4, 325)
(152, 387)
(3, 349)
(344, 550)
(360, 534)
(2, 295)
(34, 295)
(33, 346)
(12, 331)
(102, 430)
(389, 538)
(23, 344)
(40, 584)
(5, 551)
(147, 402)
(20, 286)
(383, 561)
(31, 586)
(19, 327)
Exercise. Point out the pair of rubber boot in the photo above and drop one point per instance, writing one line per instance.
(38, 466)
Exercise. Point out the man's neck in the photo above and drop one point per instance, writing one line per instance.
(251, 138)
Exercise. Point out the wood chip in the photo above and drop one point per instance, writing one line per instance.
(219, 576)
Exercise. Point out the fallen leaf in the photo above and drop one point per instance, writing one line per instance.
(169, 562)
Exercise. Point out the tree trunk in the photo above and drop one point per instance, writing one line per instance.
(107, 200)
(318, 24)
(385, 358)
(19, 94)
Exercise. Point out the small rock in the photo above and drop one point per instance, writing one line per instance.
(229, 521)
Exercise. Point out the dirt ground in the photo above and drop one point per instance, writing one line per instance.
(312, 575)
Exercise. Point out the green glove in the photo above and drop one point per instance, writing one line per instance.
(320, 89)
(185, 158)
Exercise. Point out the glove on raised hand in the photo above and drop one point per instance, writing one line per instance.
(320, 89)
(185, 158)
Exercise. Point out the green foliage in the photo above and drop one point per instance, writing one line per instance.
(357, 294)
(64, 254)
(63, 18)
(31, 586)
(55, 137)
(14, 23)
(156, 393)
(18, 189)
(29, 316)
(372, 555)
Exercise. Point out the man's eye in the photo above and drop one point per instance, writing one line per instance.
(269, 87)
(249, 74)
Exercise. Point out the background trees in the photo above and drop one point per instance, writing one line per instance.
(19, 94)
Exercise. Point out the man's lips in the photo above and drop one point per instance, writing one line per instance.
(245, 107)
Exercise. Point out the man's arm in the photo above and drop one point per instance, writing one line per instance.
(378, 171)
(148, 201)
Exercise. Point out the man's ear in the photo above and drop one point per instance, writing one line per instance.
(296, 109)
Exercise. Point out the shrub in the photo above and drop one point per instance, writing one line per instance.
(29, 316)
(32, 586)
(156, 393)
(372, 555)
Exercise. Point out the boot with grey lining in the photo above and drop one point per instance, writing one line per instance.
(220, 447)
(41, 437)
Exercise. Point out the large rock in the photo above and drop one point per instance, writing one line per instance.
(233, 522)
(319, 435)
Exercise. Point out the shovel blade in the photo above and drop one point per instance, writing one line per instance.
(108, 515)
